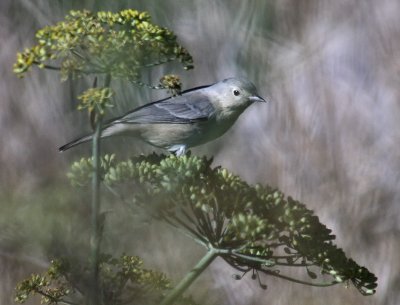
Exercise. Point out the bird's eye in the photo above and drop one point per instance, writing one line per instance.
(236, 92)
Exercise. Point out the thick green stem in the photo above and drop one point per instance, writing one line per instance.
(190, 277)
(96, 234)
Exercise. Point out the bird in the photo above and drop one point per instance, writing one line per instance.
(177, 123)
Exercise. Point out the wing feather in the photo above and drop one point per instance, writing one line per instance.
(184, 109)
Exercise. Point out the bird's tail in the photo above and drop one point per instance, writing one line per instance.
(108, 130)
(76, 142)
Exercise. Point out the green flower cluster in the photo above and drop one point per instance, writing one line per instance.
(119, 44)
(81, 171)
(96, 99)
(43, 286)
(172, 83)
(123, 280)
(257, 227)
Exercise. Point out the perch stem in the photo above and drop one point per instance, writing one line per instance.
(95, 221)
(190, 277)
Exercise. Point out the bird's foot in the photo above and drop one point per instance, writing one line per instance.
(178, 150)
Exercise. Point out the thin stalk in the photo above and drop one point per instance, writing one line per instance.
(292, 265)
(187, 230)
(266, 262)
(95, 221)
(190, 277)
(321, 284)
(61, 301)
(49, 67)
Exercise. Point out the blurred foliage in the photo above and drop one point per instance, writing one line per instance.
(119, 44)
(123, 280)
(258, 228)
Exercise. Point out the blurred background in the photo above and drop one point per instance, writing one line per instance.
(330, 138)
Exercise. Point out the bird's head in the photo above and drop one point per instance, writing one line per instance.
(234, 95)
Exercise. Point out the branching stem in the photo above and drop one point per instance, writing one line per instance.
(61, 301)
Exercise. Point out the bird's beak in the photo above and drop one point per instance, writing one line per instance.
(257, 98)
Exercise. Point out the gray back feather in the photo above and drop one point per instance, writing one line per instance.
(183, 109)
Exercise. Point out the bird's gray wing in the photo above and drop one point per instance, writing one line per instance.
(183, 109)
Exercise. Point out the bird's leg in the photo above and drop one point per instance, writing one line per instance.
(178, 150)
(181, 151)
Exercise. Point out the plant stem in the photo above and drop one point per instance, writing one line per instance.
(96, 234)
(190, 277)
(322, 284)
(95, 238)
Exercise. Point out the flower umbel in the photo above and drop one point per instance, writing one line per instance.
(250, 227)
(119, 44)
